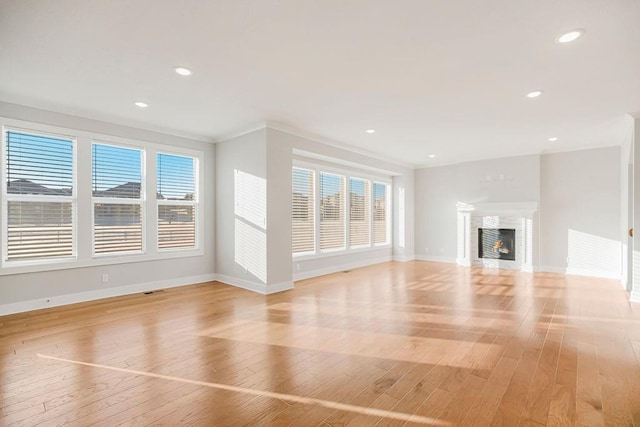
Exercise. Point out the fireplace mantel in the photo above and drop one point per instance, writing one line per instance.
(499, 208)
(519, 216)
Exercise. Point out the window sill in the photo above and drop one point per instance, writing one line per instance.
(51, 265)
(343, 252)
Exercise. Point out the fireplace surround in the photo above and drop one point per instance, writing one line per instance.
(497, 235)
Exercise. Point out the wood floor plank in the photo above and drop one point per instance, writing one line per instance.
(391, 344)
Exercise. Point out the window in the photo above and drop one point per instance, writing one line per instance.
(325, 222)
(177, 201)
(303, 215)
(39, 197)
(381, 223)
(117, 199)
(72, 199)
(332, 212)
(359, 212)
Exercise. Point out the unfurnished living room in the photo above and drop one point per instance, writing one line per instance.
(319, 212)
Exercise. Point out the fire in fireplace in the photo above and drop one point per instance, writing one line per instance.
(497, 243)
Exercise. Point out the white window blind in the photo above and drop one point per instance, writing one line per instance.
(359, 212)
(39, 198)
(303, 214)
(177, 201)
(381, 223)
(117, 199)
(332, 211)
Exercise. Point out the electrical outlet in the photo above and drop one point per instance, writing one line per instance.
(105, 278)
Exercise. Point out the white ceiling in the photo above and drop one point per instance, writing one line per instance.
(447, 77)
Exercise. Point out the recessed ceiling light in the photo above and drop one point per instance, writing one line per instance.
(431, 156)
(141, 104)
(371, 131)
(183, 71)
(553, 138)
(570, 36)
(534, 94)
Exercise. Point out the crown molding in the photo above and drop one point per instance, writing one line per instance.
(337, 144)
(242, 131)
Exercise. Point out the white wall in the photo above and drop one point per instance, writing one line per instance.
(580, 212)
(404, 246)
(579, 217)
(279, 163)
(241, 241)
(435, 213)
(19, 292)
(438, 189)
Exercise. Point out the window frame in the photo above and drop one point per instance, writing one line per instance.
(318, 167)
(316, 227)
(368, 188)
(388, 213)
(345, 213)
(142, 201)
(83, 237)
(6, 198)
(195, 202)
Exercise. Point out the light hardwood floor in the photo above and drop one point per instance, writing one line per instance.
(396, 343)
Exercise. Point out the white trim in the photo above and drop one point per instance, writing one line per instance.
(511, 155)
(106, 259)
(241, 132)
(593, 273)
(579, 272)
(339, 267)
(314, 158)
(250, 285)
(279, 287)
(499, 208)
(90, 119)
(339, 169)
(341, 145)
(403, 258)
(242, 283)
(551, 269)
(56, 301)
(465, 262)
(436, 258)
(634, 296)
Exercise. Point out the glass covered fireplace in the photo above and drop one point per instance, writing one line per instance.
(497, 243)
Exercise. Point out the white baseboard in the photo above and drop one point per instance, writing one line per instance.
(279, 287)
(242, 283)
(635, 296)
(56, 301)
(265, 289)
(551, 269)
(339, 267)
(404, 258)
(449, 260)
(579, 272)
(593, 273)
